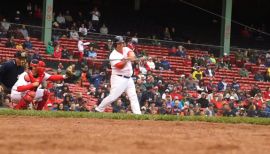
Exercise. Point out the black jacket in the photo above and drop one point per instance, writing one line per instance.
(9, 72)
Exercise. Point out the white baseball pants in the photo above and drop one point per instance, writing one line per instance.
(118, 86)
(17, 96)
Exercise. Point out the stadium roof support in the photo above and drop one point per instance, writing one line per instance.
(226, 27)
(47, 21)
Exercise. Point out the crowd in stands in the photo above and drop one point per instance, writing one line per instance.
(189, 95)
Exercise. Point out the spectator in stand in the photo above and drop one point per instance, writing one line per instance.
(204, 103)
(81, 45)
(258, 76)
(50, 48)
(218, 102)
(92, 53)
(266, 94)
(153, 109)
(68, 101)
(235, 85)
(146, 107)
(167, 34)
(190, 83)
(180, 52)
(212, 59)
(11, 43)
(36, 55)
(158, 64)
(165, 64)
(143, 67)
(17, 18)
(68, 18)
(90, 27)
(267, 75)
(200, 86)
(56, 34)
(134, 39)
(227, 111)
(66, 53)
(210, 112)
(234, 95)
(210, 87)
(74, 26)
(150, 81)
(155, 41)
(259, 62)
(146, 95)
(4, 25)
(267, 59)
(61, 20)
(222, 85)
(173, 33)
(265, 110)
(255, 90)
(24, 31)
(163, 108)
(172, 51)
(29, 9)
(95, 18)
(19, 47)
(78, 101)
(27, 44)
(194, 68)
(6, 103)
(177, 106)
(37, 13)
(83, 30)
(224, 64)
(58, 51)
(118, 106)
(80, 17)
(74, 34)
(209, 72)
(243, 72)
(150, 63)
(103, 29)
(197, 74)
(176, 93)
(109, 45)
(97, 78)
(136, 69)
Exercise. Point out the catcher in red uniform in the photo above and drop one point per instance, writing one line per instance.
(28, 88)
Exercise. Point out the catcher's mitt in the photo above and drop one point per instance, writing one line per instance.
(70, 71)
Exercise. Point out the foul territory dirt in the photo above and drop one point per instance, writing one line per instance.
(32, 135)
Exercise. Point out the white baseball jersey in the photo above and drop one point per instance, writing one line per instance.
(95, 15)
(15, 95)
(120, 84)
(127, 70)
(81, 45)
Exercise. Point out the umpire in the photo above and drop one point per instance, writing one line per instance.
(10, 70)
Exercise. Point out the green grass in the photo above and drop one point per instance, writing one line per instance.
(118, 116)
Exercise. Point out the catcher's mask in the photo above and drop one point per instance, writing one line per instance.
(39, 65)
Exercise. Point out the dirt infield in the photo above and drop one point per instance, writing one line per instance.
(32, 135)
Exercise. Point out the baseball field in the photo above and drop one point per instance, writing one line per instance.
(33, 132)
